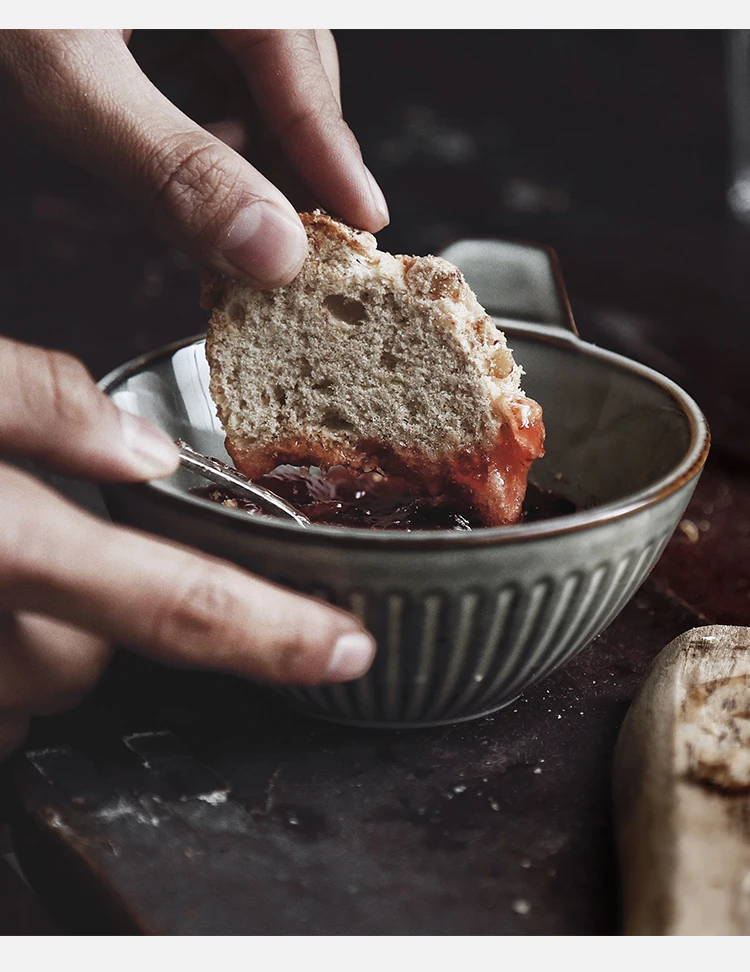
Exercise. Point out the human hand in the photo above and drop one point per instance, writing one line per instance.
(84, 94)
(71, 583)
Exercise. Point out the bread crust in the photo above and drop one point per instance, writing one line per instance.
(372, 361)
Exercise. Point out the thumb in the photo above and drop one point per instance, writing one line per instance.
(195, 191)
(51, 410)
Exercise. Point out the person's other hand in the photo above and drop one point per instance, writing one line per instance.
(71, 583)
(84, 94)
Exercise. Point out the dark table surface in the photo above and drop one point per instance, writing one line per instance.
(195, 802)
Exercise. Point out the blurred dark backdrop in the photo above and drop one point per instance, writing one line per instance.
(612, 146)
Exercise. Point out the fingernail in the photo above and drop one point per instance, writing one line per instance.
(267, 244)
(378, 198)
(155, 454)
(351, 657)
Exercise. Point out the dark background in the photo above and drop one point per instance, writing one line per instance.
(613, 147)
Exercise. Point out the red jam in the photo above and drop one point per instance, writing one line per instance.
(375, 502)
(491, 483)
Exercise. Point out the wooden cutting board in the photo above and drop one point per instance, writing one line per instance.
(682, 789)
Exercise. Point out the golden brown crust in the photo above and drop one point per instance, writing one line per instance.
(322, 230)
(435, 278)
(324, 235)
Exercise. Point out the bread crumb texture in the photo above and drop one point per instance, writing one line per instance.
(373, 361)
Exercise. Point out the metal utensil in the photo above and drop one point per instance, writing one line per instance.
(222, 475)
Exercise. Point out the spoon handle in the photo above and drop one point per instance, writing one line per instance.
(222, 475)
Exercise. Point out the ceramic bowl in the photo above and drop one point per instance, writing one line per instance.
(464, 622)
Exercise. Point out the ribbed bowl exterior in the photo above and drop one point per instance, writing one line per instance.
(461, 630)
(448, 656)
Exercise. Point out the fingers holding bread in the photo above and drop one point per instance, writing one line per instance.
(52, 410)
(293, 76)
(83, 92)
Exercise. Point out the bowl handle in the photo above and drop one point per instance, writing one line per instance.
(515, 280)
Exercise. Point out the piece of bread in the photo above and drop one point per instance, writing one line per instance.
(372, 361)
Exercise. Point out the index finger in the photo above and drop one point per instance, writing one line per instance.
(295, 94)
(172, 603)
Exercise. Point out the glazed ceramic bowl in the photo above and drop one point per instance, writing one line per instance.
(464, 621)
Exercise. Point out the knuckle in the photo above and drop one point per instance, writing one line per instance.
(250, 41)
(303, 46)
(320, 115)
(68, 63)
(303, 657)
(66, 389)
(292, 659)
(34, 59)
(193, 184)
(269, 45)
(199, 619)
(39, 385)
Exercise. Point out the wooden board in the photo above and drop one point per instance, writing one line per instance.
(682, 789)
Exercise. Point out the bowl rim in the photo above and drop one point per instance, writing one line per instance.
(686, 470)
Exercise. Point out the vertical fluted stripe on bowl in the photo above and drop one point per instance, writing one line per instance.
(335, 697)
(307, 696)
(477, 671)
(629, 566)
(646, 563)
(291, 692)
(523, 657)
(339, 697)
(459, 635)
(611, 603)
(363, 689)
(391, 689)
(585, 627)
(628, 574)
(519, 624)
(445, 655)
(311, 700)
(610, 596)
(504, 684)
(551, 612)
(335, 700)
(431, 611)
(560, 602)
(642, 564)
